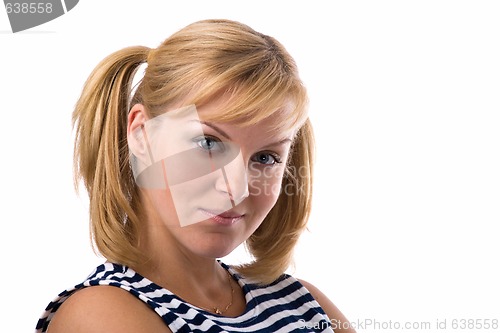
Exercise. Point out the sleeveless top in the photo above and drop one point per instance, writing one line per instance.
(283, 306)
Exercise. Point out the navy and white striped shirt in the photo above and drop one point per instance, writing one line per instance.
(283, 306)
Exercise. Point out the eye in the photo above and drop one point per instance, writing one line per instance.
(267, 158)
(209, 143)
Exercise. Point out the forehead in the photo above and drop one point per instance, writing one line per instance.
(279, 121)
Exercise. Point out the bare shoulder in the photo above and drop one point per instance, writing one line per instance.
(105, 309)
(335, 315)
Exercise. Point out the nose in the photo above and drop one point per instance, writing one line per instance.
(233, 180)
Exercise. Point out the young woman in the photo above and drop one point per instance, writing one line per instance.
(212, 149)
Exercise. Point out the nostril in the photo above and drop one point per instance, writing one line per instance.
(236, 187)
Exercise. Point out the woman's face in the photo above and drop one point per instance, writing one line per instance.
(215, 182)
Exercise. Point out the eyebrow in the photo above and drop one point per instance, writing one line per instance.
(224, 134)
(217, 129)
(281, 142)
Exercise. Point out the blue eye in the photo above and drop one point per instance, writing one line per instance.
(266, 158)
(209, 143)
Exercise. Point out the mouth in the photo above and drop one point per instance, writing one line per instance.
(225, 218)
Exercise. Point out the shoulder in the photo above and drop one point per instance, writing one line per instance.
(105, 309)
(333, 313)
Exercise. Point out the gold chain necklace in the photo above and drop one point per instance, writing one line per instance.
(216, 309)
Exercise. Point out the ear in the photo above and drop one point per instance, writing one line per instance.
(137, 117)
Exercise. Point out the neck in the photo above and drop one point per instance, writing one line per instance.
(197, 279)
(169, 262)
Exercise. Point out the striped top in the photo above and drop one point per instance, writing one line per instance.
(283, 306)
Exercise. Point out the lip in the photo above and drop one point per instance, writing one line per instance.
(225, 218)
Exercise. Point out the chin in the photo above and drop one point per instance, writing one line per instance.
(216, 249)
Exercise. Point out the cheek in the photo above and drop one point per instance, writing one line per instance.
(264, 186)
(162, 206)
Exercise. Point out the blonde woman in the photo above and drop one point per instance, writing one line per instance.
(211, 149)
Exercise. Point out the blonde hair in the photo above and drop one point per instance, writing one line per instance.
(196, 64)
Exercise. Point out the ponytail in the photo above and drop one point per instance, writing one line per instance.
(101, 156)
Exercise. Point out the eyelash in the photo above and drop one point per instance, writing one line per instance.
(276, 158)
(200, 139)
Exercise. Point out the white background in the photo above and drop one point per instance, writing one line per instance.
(405, 100)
